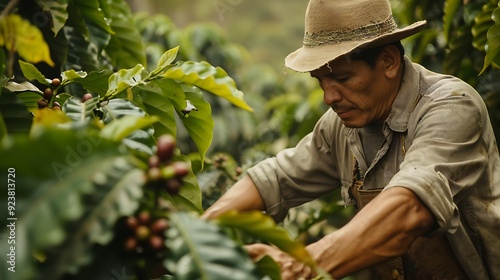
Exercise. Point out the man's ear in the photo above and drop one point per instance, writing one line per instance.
(391, 59)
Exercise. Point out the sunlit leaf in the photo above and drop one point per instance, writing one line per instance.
(165, 61)
(20, 36)
(124, 79)
(95, 81)
(155, 103)
(264, 228)
(450, 9)
(48, 116)
(199, 124)
(212, 79)
(31, 73)
(493, 40)
(123, 127)
(22, 87)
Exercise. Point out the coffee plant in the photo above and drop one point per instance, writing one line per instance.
(102, 189)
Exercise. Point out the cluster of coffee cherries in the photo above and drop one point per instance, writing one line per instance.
(48, 94)
(145, 234)
(164, 172)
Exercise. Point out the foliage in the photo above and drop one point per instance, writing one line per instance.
(82, 135)
(462, 40)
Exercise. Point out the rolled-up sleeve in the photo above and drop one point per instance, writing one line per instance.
(300, 174)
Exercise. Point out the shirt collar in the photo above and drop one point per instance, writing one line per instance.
(406, 99)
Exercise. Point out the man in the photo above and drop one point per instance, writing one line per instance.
(412, 149)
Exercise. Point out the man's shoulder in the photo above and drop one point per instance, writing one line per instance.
(439, 86)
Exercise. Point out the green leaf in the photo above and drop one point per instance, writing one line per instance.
(200, 250)
(142, 139)
(173, 92)
(125, 47)
(30, 100)
(22, 87)
(78, 111)
(123, 127)
(493, 41)
(212, 79)
(199, 124)
(267, 266)
(92, 13)
(73, 189)
(450, 9)
(264, 228)
(58, 13)
(124, 79)
(2, 62)
(189, 197)
(165, 61)
(95, 81)
(81, 53)
(24, 38)
(153, 101)
(15, 115)
(3, 128)
(31, 73)
(96, 23)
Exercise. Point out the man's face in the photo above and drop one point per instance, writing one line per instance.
(359, 94)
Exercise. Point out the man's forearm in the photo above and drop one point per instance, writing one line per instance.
(385, 228)
(243, 196)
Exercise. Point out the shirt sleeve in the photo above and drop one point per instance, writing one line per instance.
(300, 174)
(447, 155)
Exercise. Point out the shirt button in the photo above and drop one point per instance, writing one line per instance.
(395, 274)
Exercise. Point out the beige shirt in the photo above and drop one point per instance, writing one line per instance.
(439, 143)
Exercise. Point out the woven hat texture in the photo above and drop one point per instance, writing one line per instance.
(338, 27)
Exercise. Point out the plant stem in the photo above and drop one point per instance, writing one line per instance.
(10, 6)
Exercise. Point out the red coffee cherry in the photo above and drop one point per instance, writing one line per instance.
(48, 93)
(173, 186)
(154, 161)
(86, 97)
(166, 144)
(131, 244)
(144, 218)
(181, 169)
(55, 82)
(42, 103)
(132, 223)
(156, 243)
(159, 226)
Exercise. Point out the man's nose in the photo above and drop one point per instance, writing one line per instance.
(331, 95)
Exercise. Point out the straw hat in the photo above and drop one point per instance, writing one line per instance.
(338, 27)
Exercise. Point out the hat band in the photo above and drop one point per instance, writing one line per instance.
(356, 34)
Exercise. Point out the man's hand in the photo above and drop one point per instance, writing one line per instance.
(291, 269)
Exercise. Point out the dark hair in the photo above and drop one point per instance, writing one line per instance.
(370, 55)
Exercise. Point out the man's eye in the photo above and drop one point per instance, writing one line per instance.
(342, 79)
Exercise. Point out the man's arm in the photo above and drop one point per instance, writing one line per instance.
(384, 228)
(242, 196)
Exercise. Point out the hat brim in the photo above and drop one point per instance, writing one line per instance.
(307, 59)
